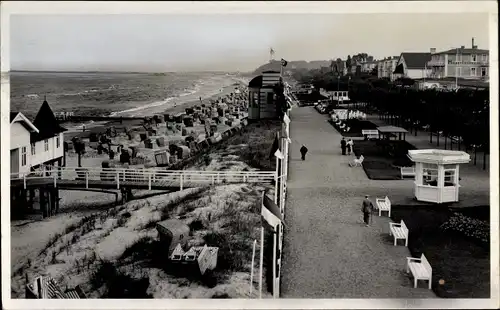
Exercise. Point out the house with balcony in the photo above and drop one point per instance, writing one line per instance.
(412, 65)
(462, 63)
(35, 144)
(368, 66)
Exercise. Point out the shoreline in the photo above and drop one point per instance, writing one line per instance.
(160, 108)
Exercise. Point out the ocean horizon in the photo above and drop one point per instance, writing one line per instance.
(113, 93)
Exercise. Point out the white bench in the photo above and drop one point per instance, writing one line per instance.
(357, 161)
(370, 133)
(399, 231)
(420, 269)
(383, 204)
(407, 171)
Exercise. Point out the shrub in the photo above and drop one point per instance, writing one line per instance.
(467, 226)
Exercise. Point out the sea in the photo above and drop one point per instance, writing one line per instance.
(114, 94)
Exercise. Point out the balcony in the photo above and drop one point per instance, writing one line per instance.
(469, 62)
(436, 63)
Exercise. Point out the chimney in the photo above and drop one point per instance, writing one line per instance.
(462, 47)
(472, 42)
(433, 50)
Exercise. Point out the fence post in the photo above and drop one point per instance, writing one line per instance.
(118, 179)
(213, 180)
(149, 180)
(87, 179)
(24, 180)
(54, 177)
(218, 177)
(181, 181)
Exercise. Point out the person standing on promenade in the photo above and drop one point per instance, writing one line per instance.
(343, 145)
(350, 144)
(303, 152)
(367, 210)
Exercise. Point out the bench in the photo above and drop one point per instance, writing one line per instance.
(407, 172)
(357, 161)
(383, 204)
(399, 231)
(370, 133)
(420, 269)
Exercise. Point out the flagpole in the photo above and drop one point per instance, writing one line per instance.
(274, 262)
(251, 271)
(261, 256)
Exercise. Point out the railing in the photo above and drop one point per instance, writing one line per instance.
(149, 177)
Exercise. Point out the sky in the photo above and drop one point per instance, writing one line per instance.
(227, 42)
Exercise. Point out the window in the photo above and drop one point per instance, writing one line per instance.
(23, 156)
(449, 177)
(458, 71)
(485, 57)
(474, 58)
(270, 98)
(459, 57)
(33, 148)
(430, 174)
(58, 142)
(473, 71)
(484, 71)
(46, 145)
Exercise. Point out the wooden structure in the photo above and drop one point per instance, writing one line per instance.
(399, 231)
(263, 96)
(420, 269)
(390, 131)
(173, 233)
(46, 288)
(437, 174)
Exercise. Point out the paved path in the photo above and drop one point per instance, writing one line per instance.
(328, 252)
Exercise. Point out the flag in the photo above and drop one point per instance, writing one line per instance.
(279, 154)
(275, 146)
(283, 62)
(270, 212)
(286, 119)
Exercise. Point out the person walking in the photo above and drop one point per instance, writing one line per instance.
(303, 152)
(350, 144)
(343, 145)
(367, 209)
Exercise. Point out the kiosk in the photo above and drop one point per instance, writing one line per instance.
(437, 174)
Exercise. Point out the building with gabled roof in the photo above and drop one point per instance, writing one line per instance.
(47, 144)
(412, 65)
(35, 144)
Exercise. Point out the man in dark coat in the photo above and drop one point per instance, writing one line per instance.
(343, 145)
(303, 152)
(367, 210)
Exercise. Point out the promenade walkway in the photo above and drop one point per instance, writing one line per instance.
(328, 251)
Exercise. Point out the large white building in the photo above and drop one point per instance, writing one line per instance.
(386, 67)
(35, 144)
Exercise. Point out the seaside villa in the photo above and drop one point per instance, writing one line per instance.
(35, 144)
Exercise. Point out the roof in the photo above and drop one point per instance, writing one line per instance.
(270, 71)
(391, 129)
(433, 156)
(19, 117)
(256, 82)
(47, 124)
(464, 51)
(416, 60)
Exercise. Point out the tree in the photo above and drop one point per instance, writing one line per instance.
(374, 71)
(348, 62)
(79, 147)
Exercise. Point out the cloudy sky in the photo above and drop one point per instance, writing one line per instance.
(227, 42)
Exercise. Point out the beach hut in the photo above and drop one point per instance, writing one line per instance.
(263, 95)
(437, 174)
(172, 232)
(183, 152)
